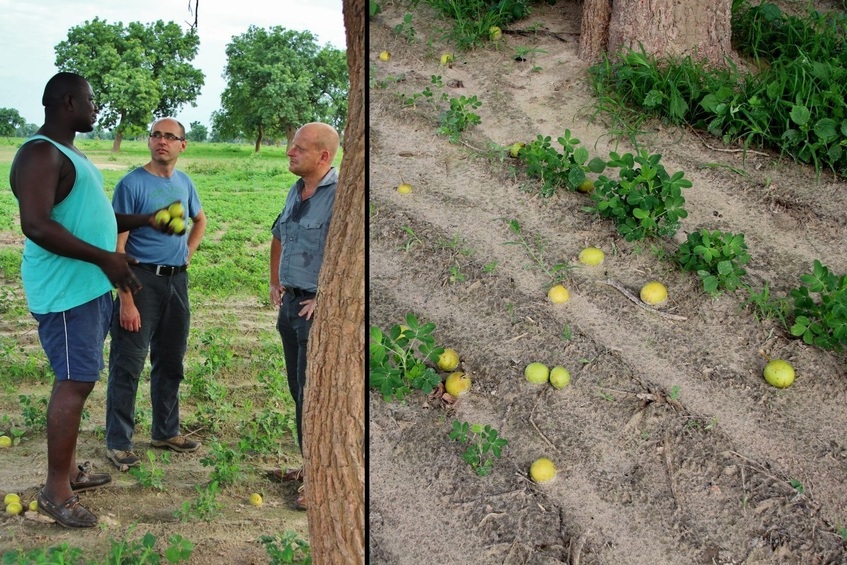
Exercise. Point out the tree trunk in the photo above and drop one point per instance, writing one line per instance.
(259, 137)
(116, 144)
(334, 406)
(594, 29)
(665, 28)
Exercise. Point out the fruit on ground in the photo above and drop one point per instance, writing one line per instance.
(448, 360)
(33, 505)
(11, 497)
(256, 499)
(779, 373)
(457, 384)
(176, 210)
(542, 470)
(404, 188)
(515, 149)
(14, 508)
(5, 441)
(178, 225)
(384, 56)
(559, 377)
(586, 186)
(495, 33)
(163, 217)
(591, 256)
(558, 294)
(446, 59)
(654, 293)
(537, 373)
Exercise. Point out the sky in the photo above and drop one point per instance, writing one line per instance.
(30, 30)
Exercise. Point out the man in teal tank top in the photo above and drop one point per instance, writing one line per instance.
(69, 269)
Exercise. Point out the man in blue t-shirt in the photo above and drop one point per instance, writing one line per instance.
(297, 252)
(155, 319)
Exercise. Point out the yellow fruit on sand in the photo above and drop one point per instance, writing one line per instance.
(457, 384)
(448, 360)
(256, 499)
(542, 470)
(176, 210)
(586, 186)
(33, 505)
(654, 293)
(14, 508)
(11, 497)
(495, 33)
(446, 59)
(779, 373)
(559, 377)
(591, 256)
(537, 373)
(558, 294)
(5, 441)
(404, 188)
(515, 149)
(384, 56)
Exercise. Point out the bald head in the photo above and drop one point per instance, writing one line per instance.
(61, 85)
(323, 136)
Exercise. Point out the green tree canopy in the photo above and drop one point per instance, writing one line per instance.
(197, 132)
(138, 73)
(277, 80)
(10, 120)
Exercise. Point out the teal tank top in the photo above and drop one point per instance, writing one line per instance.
(53, 283)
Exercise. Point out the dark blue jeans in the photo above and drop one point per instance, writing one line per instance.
(294, 331)
(165, 318)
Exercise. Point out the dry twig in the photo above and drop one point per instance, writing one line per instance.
(623, 290)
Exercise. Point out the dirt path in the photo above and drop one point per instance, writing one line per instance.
(670, 446)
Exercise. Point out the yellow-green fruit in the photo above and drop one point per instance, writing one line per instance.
(495, 33)
(654, 293)
(446, 59)
(586, 186)
(176, 210)
(558, 294)
(591, 256)
(256, 499)
(178, 225)
(33, 505)
(448, 360)
(384, 56)
(542, 470)
(11, 497)
(537, 373)
(163, 217)
(404, 188)
(14, 508)
(559, 377)
(779, 373)
(457, 384)
(515, 149)
(5, 441)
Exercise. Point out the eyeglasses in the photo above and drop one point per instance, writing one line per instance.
(167, 136)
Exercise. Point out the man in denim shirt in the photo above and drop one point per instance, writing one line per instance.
(297, 251)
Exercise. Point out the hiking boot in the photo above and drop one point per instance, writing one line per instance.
(177, 443)
(123, 458)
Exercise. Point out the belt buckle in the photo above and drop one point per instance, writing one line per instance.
(158, 270)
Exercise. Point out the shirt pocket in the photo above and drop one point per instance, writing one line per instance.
(312, 233)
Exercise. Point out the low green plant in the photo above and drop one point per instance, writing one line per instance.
(797, 486)
(412, 241)
(557, 272)
(822, 321)
(767, 307)
(287, 547)
(716, 257)
(395, 368)
(483, 445)
(124, 551)
(405, 29)
(645, 202)
(263, 433)
(204, 507)
(150, 475)
(459, 117)
(472, 19)
(225, 462)
(34, 413)
(455, 275)
(565, 169)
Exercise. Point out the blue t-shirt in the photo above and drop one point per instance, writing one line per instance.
(302, 230)
(53, 283)
(141, 192)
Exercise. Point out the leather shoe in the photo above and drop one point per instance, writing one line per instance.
(86, 480)
(300, 502)
(70, 513)
(289, 475)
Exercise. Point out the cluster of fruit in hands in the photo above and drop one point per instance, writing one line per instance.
(173, 217)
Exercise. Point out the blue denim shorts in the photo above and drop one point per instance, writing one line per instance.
(73, 340)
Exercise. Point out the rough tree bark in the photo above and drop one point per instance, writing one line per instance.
(665, 28)
(334, 407)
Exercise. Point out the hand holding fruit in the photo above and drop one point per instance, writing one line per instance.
(171, 219)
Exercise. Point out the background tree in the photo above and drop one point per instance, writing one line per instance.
(334, 417)
(198, 132)
(10, 121)
(277, 80)
(138, 73)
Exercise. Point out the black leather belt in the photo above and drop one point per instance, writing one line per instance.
(162, 270)
(298, 292)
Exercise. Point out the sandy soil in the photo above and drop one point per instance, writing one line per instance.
(671, 447)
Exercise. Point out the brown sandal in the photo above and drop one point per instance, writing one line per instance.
(70, 514)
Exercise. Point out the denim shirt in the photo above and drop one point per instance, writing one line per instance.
(302, 227)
